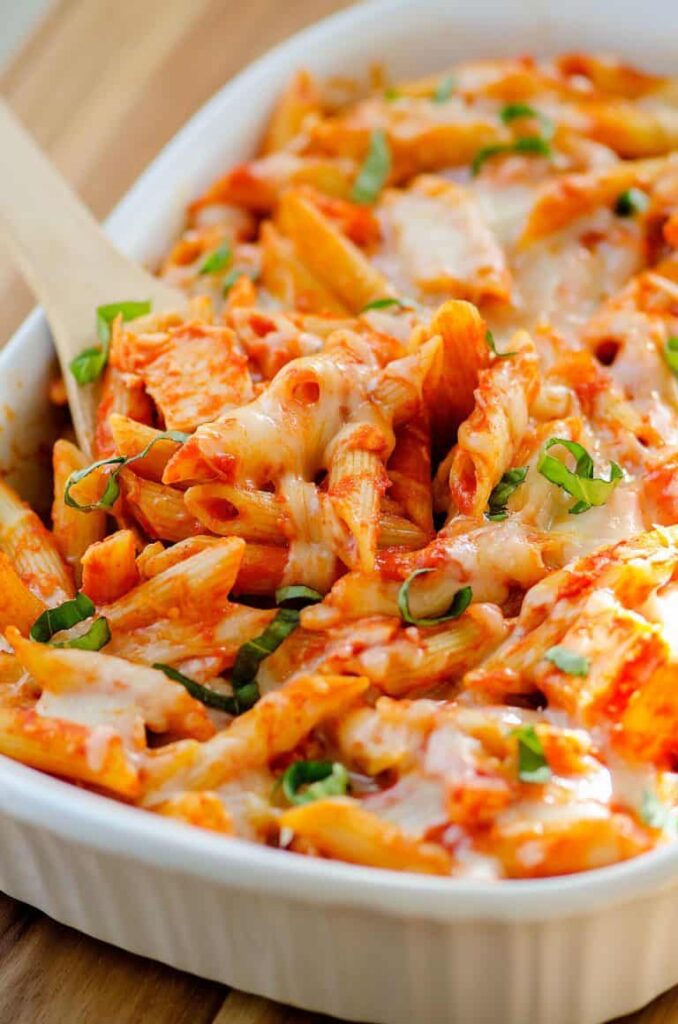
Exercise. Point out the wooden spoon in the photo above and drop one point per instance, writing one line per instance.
(67, 259)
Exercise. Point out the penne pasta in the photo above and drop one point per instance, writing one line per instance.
(73, 533)
(33, 550)
(342, 829)
(381, 561)
(109, 567)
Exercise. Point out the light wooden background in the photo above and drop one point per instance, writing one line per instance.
(103, 84)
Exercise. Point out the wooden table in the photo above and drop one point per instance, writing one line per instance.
(103, 84)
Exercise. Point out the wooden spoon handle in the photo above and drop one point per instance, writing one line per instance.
(67, 259)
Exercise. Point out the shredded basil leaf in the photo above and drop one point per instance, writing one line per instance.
(96, 637)
(89, 364)
(532, 144)
(391, 94)
(671, 354)
(321, 779)
(444, 90)
(630, 202)
(297, 594)
(460, 603)
(217, 260)
(111, 491)
(65, 616)
(515, 111)
(581, 483)
(384, 304)
(490, 342)
(375, 169)
(526, 144)
(657, 815)
(532, 763)
(234, 275)
(210, 698)
(510, 482)
(568, 661)
(252, 652)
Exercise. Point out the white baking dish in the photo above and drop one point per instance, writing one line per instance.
(361, 944)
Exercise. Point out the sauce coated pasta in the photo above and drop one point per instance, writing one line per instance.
(378, 559)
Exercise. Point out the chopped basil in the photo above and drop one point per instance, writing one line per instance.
(253, 652)
(444, 90)
(630, 202)
(526, 144)
(374, 171)
(65, 616)
(217, 260)
(515, 111)
(391, 94)
(671, 354)
(299, 594)
(234, 275)
(320, 779)
(510, 482)
(89, 364)
(460, 603)
(568, 661)
(384, 304)
(111, 491)
(210, 698)
(581, 484)
(107, 314)
(96, 637)
(490, 342)
(532, 763)
(657, 815)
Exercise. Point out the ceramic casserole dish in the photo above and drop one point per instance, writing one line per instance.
(364, 945)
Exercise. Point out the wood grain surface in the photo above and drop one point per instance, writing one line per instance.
(103, 85)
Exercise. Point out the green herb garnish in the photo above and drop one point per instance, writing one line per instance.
(297, 595)
(375, 169)
(384, 304)
(581, 483)
(320, 778)
(516, 111)
(67, 615)
(536, 144)
(671, 354)
(210, 698)
(96, 637)
(490, 342)
(253, 652)
(510, 481)
(234, 275)
(630, 202)
(217, 260)
(460, 603)
(532, 763)
(444, 90)
(90, 363)
(568, 661)
(112, 489)
(391, 94)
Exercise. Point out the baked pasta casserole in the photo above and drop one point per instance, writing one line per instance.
(375, 555)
